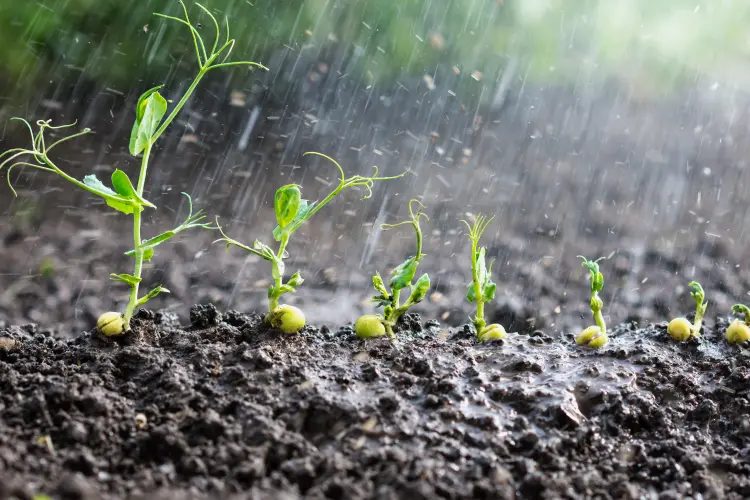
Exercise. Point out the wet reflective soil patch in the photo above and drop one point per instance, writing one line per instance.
(226, 407)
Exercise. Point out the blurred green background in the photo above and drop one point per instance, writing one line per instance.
(116, 43)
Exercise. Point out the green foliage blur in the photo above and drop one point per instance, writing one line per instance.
(117, 42)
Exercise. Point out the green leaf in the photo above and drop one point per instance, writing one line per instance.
(286, 289)
(488, 291)
(150, 110)
(151, 243)
(302, 215)
(150, 295)
(286, 204)
(124, 187)
(420, 289)
(304, 210)
(140, 107)
(471, 294)
(124, 206)
(93, 181)
(122, 184)
(295, 280)
(402, 275)
(598, 282)
(377, 283)
(148, 254)
(125, 278)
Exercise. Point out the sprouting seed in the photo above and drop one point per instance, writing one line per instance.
(680, 329)
(739, 331)
(596, 335)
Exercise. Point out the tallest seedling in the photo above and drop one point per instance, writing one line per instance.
(150, 124)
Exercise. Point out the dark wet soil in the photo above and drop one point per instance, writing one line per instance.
(223, 407)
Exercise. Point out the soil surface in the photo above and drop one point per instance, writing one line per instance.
(225, 407)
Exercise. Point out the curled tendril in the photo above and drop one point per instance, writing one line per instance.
(193, 219)
(39, 150)
(591, 265)
(413, 220)
(357, 180)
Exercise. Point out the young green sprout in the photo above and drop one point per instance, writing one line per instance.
(374, 325)
(291, 212)
(150, 124)
(596, 335)
(680, 329)
(481, 289)
(739, 331)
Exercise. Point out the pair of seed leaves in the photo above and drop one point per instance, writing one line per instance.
(401, 277)
(486, 285)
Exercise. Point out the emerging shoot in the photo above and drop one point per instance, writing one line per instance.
(291, 212)
(123, 196)
(739, 331)
(482, 288)
(680, 329)
(594, 336)
(372, 325)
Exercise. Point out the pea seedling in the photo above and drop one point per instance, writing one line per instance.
(596, 335)
(149, 125)
(481, 289)
(375, 325)
(739, 331)
(680, 329)
(291, 212)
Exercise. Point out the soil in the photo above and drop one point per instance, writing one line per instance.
(226, 408)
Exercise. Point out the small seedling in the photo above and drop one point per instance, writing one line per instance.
(482, 288)
(150, 124)
(374, 325)
(680, 329)
(291, 212)
(596, 335)
(739, 331)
